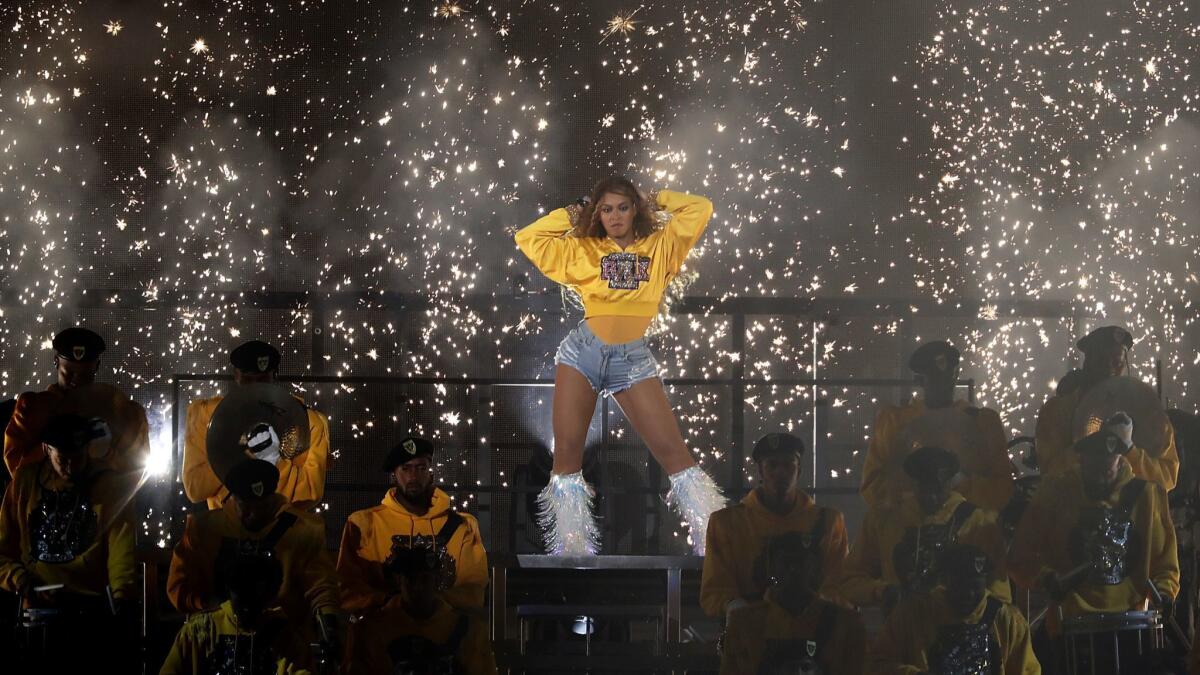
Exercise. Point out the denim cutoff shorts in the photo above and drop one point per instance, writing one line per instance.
(611, 369)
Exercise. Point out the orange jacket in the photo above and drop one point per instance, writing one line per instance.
(987, 472)
(301, 478)
(613, 281)
(735, 539)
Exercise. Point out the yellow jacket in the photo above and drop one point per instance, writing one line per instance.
(987, 474)
(1055, 424)
(913, 628)
(752, 626)
(301, 479)
(201, 643)
(870, 568)
(613, 281)
(367, 543)
(309, 581)
(106, 560)
(735, 539)
(368, 641)
(128, 449)
(1042, 544)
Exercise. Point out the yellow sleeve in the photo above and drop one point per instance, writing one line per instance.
(1053, 437)
(310, 489)
(21, 436)
(179, 660)
(1018, 645)
(875, 486)
(132, 450)
(476, 651)
(897, 650)
(1164, 550)
(191, 579)
(1163, 469)
(861, 580)
(471, 581)
(718, 585)
(993, 486)
(737, 655)
(1026, 563)
(320, 578)
(12, 566)
(199, 481)
(122, 568)
(837, 547)
(544, 243)
(689, 216)
(357, 592)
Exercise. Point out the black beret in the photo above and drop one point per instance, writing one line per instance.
(252, 479)
(78, 344)
(777, 444)
(408, 449)
(929, 462)
(67, 433)
(1105, 335)
(1102, 441)
(963, 560)
(932, 357)
(255, 356)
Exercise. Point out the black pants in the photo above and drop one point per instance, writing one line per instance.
(81, 636)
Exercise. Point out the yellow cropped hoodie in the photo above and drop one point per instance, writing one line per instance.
(613, 281)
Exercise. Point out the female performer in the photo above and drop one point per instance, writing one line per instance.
(612, 251)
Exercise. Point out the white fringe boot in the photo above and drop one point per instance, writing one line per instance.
(565, 516)
(694, 496)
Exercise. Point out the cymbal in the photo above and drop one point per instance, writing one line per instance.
(95, 400)
(246, 407)
(1131, 396)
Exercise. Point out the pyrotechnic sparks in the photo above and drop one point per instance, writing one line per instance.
(113, 27)
(621, 23)
(449, 10)
(199, 47)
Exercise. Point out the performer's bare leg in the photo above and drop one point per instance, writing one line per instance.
(646, 407)
(574, 405)
(693, 493)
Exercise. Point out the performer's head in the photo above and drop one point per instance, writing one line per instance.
(935, 365)
(66, 439)
(77, 356)
(1100, 462)
(964, 571)
(410, 465)
(792, 563)
(777, 456)
(616, 209)
(1106, 352)
(252, 484)
(254, 362)
(253, 584)
(933, 471)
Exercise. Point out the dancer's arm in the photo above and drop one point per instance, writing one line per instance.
(689, 216)
(544, 243)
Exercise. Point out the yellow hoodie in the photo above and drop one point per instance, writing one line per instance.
(367, 543)
(208, 637)
(108, 556)
(309, 581)
(1055, 438)
(871, 568)
(752, 627)
(913, 628)
(301, 478)
(367, 647)
(735, 539)
(1042, 545)
(987, 473)
(613, 281)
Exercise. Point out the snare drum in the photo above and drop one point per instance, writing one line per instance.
(1110, 644)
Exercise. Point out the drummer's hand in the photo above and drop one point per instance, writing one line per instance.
(1167, 607)
(1121, 425)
